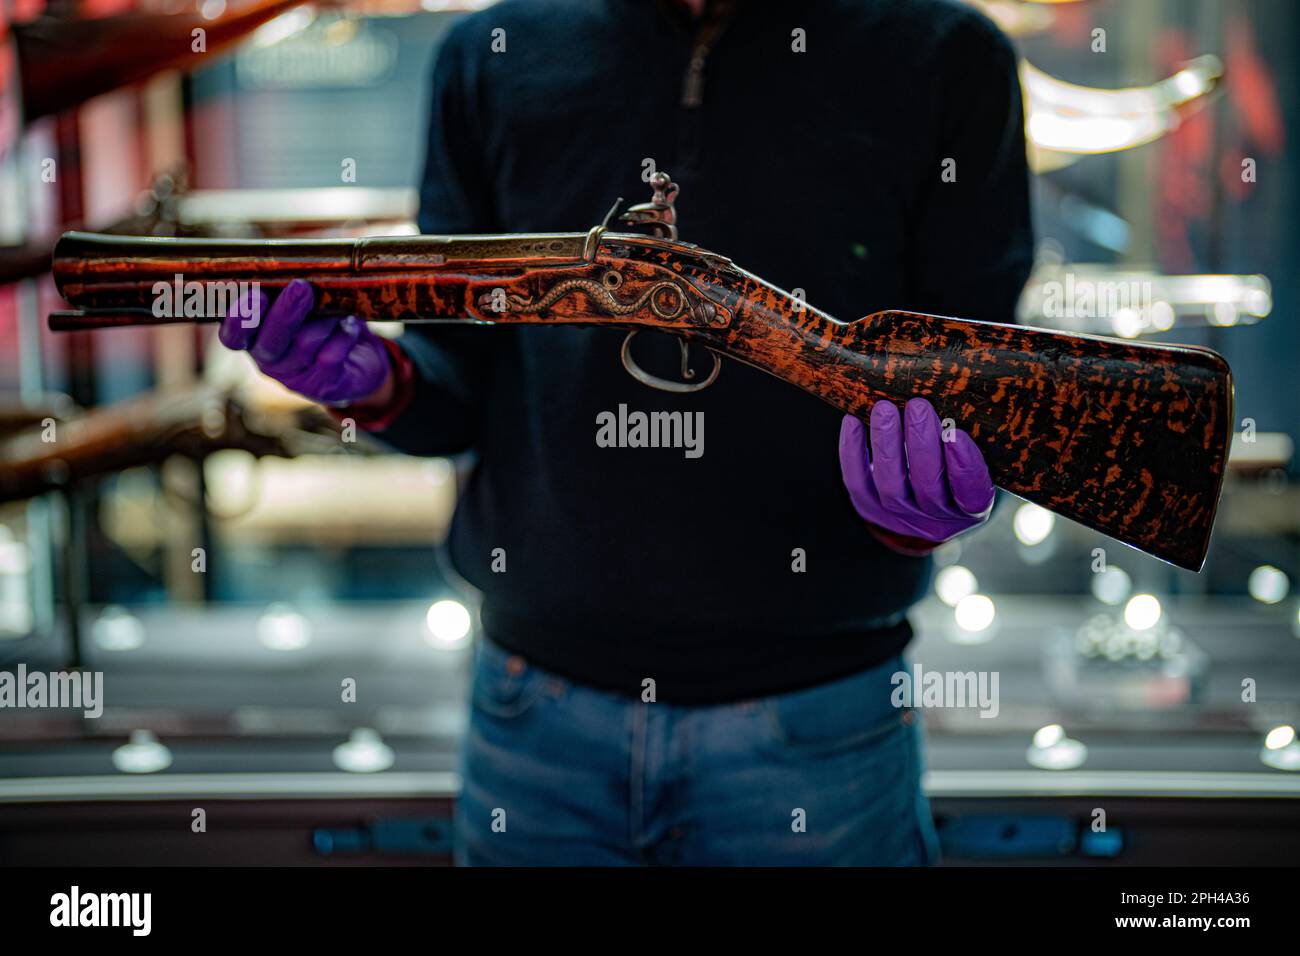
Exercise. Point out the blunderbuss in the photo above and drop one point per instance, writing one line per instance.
(1127, 438)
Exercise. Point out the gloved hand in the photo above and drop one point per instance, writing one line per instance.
(335, 360)
(934, 490)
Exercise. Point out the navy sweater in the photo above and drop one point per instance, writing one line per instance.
(818, 170)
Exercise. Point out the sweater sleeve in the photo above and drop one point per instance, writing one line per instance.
(971, 248)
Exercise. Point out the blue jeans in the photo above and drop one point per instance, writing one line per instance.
(557, 773)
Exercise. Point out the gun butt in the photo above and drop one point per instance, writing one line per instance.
(1129, 439)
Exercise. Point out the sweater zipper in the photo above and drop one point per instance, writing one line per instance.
(693, 86)
(714, 23)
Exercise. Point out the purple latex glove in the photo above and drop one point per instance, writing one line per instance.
(336, 360)
(917, 485)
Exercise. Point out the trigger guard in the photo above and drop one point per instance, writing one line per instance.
(663, 384)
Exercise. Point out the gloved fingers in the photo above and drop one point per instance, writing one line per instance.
(328, 376)
(360, 327)
(333, 361)
(925, 461)
(309, 382)
(281, 323)
(339, 344)
(855, 469)
(968, 475)
(888, 459)
(304, 351)
(239, 327)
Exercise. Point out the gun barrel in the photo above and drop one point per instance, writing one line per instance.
(134, 280)
(120, 280)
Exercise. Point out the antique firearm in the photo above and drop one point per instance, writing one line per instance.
(1129, 439)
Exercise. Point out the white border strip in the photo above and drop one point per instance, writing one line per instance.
(1137, 783)
(265, 786)
(432, 784)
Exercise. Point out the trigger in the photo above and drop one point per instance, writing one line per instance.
(687, 372)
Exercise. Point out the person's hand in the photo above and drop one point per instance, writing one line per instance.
(914, 482)
(335, 360)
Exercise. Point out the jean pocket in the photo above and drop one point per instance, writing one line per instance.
(505, 684)
(839, 716)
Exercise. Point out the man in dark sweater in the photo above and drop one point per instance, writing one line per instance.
(688, 658)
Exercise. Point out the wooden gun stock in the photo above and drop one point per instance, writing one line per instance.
(1129, 439)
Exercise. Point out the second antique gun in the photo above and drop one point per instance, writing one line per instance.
(51, 449)
(1127, 438)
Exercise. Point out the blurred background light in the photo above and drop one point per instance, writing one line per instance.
(1127, 323)
(282, 628)
(1111, 586)
(1049, 736)
(1032, 524)
(1092, 297)
(364, 752)
(448, 622)
(1223, 314)
(1280, 737)
(974, 613)
(1142, 612)
(283, 27)
(1268, 584)
(17, 616)
(954, 583)
(117, 629)
(1163, 316)
(143, 753)
(1052, 749)
(1281, 751)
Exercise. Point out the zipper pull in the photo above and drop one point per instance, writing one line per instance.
(720, 13)
(693, 87)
